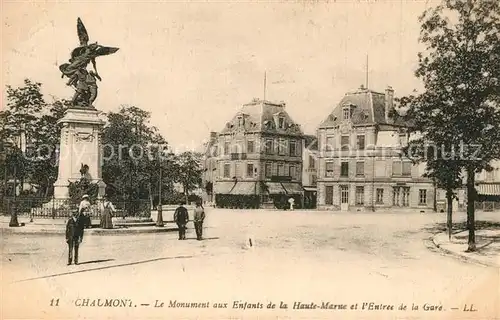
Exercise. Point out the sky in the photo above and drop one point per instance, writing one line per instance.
(193, 64)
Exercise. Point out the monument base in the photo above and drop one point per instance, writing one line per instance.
(80, 152)
(61, 188)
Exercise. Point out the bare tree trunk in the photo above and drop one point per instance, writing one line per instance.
(471, 198)
(449, 221)
(186, 194)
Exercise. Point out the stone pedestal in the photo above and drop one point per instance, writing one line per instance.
(80, 145)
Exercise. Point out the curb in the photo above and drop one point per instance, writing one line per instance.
(461, 256)
(97, 232)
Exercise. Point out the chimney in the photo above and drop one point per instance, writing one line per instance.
(389, 102)
(213, 135)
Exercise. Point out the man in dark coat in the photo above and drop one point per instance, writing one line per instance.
(181, 217)
(199, 216)
(74, 235)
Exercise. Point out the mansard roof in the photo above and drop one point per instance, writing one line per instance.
(262, 116)
(368, 107)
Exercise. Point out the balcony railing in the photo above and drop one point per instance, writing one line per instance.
(238, 156)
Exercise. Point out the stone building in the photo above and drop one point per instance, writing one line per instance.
(360, 162)
(488, 188)
(209, 165)
(310, 170)
(259, 158)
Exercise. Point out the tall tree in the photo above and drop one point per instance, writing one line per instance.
(29, 116)
(189, 171)
(460, 69)
(44, 147)
(441, 166)
(131, 148)
(24, 105)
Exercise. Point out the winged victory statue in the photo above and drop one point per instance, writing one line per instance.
(82, 80)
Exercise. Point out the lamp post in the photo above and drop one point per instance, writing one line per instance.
(3, 155)
(5, 173)
(159, 218)
(13, 209)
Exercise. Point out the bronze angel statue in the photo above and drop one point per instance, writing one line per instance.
(84, 82)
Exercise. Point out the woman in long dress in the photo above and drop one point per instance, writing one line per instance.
(107, 210)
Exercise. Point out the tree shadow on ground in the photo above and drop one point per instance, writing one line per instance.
(213, 238)
(482, 247)
(462, 226)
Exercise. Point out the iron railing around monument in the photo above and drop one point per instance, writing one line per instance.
(135, 208)
(56, 208)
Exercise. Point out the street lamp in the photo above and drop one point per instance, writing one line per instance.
(159, 219)
(3, 158)
(13, 209)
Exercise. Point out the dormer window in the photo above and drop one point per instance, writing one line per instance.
(268, 124)
(346, 113)
(281, 123)
(241, 121)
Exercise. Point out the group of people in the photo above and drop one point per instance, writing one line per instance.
(80, 220)
(106, 208)
(181, 218)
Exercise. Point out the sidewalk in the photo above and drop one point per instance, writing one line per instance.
(487, 243)
(58, 226)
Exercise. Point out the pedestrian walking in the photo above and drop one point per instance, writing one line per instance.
(74, 235)
(181, 217)
(107, 212)
(84, 210)
(199, 216)
(291, 201)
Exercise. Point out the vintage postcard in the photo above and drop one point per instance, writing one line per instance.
(250, 159)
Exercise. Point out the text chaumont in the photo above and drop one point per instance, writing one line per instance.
(117, 303)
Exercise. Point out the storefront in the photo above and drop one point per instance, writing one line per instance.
(488, 196)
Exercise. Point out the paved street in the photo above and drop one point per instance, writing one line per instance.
(308, 257)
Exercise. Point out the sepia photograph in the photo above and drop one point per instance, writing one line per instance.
(258, 159)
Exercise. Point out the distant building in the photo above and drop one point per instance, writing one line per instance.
(310, 170)
(259, 158)
(488, 188)
(209, 167)
(360, 163)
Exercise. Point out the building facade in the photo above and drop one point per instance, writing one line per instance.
(259, 158)
(209, 164)
(361, 166)
(310, 171)
(488, 188)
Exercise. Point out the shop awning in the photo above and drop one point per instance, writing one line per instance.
(488, 189)
(244, 188)
(310, 189)
(223, 187)
(292, 188)
(275, 188)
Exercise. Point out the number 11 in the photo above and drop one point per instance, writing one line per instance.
(54, 302)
